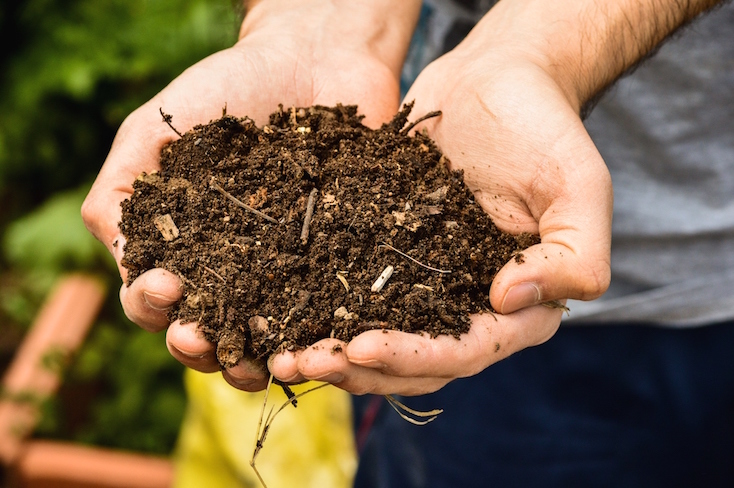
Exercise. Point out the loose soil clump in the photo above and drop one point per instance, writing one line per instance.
(310, 227)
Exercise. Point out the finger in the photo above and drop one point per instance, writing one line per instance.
(327, 362)
(284, 366)
(247, 376)
(190, 348)
(147, 300)
(490, 339)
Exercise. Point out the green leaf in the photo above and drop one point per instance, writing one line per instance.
(53, 237)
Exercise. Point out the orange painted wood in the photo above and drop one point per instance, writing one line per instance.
(46, 464)
(58, 331)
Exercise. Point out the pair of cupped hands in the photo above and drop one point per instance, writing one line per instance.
(505, 121)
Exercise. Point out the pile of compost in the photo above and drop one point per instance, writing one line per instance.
(313, 226)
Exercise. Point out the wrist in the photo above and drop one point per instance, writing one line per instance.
(584, 46)
(380, 28)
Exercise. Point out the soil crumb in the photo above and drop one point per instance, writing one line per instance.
(313, 226)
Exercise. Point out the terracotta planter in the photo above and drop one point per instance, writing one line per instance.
(57, 332)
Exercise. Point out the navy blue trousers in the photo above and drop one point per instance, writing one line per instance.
(616, 406)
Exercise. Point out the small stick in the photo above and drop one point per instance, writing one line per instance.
(429, 115)
(445, 271)
(382, 279)
(309, 215)
(166, 226)
(167, 118)
(214, 273)
(241, 204)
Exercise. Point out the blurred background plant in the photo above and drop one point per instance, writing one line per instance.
(71, 72)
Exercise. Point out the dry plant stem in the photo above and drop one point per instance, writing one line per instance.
(399, 407)
(413, 259)
(309, 215)
(429, 115)
(215, 273)
(260, 438)
(557, 304)
(242, 204)
(262, 430)
(167, 118)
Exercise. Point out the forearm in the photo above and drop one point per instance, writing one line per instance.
(381, 27)
(584, 45)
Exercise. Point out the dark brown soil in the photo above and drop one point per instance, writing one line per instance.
(257, 282)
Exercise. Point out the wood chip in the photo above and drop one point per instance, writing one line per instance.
(166, 226)
(382, 279)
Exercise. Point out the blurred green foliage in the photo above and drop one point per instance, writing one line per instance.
(69, 74)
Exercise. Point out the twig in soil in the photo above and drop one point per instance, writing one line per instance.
(401, 408)
(445, 271)
(241, 204)
(417, 121)
(214, 273)
(262, 430)
(309, 215)
(167, 118)
(303, 298)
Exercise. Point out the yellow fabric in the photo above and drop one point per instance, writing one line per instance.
(308, 446)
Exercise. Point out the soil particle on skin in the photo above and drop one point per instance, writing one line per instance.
(310, 227)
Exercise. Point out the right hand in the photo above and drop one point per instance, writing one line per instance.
(308, 53)
(526, 156)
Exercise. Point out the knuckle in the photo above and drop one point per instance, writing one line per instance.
(594, 281)
(88, 211)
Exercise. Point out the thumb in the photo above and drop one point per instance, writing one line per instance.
(136, 149)
(573, 258)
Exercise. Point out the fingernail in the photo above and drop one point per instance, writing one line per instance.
(368, 363)
(241, 384)
(520, 296)
(292, 379)
(157, 302)
(189, 354)
(331, 378)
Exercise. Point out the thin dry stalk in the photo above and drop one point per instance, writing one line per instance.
(242, 204)
(264, 428)
(557, 304)
(414, 260)
(417, 121)
(214, 273)
(399, 407)
(309, 215)
(167, 118)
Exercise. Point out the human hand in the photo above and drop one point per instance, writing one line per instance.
(517, 135)
(315, 52)
(511, 94)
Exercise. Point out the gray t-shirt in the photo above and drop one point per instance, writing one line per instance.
(666, 133)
